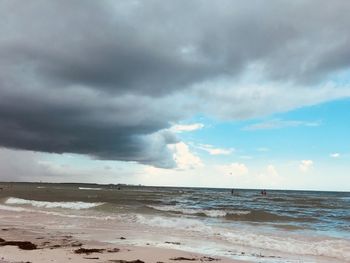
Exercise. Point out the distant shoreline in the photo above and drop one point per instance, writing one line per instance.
(175, 187)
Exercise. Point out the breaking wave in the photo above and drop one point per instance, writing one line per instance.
(175, 223)
(89, 188)
(199, 212)
(46, 204)
(229, 214)
(292, 244)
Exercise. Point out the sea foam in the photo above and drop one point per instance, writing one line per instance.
(205, 212)
(174, 223)
(46, 204)
(290, 244)
(299, 245)
(89, 188)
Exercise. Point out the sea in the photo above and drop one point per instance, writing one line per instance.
(281, 226)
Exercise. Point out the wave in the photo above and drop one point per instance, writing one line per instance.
(263, 216)
(46, 204)
(296, 245)
(234, 215)
(286, 243)
(89, 188)
(174, 223)
(21, 209)
(198, 212)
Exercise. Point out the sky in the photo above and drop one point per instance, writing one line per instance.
(243, 94)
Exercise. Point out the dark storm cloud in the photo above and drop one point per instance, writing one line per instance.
(126, 128)
(100, 77)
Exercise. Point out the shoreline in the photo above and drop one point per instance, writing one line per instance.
(55, 246)
(153, 222)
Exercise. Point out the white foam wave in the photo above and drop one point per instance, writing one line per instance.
(177, 223)
(329, 247)
(46, 204)
(190, 211)
(103, 218)
(89, 188)
(22, 209)
(285, 244)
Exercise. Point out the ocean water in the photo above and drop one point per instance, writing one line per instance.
(283, 226)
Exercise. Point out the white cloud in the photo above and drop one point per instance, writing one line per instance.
(183, 157)
(186, 127)
(278, 124)
(213, 150)
(234, 169)
(269, 177)
(335, 155)
(306, 165)
(271, 170)
(250, 97)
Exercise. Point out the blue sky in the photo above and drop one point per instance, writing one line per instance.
(316, 131)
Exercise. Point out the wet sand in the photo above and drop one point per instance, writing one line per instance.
(42, 245)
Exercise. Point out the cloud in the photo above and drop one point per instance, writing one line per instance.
(187, 127)
(269, 177)
(306, 165)
(22, 165)
(335, 155)
(109, 80)
(234, 169)
(102, 128)
(213, 150)
(183, 157)
(279, 124)
(271, 170)
(243, 99)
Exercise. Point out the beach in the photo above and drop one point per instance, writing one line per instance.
(62, 222)
(53, 246)
(24, 242)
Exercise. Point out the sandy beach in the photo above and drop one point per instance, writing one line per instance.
(40, 245)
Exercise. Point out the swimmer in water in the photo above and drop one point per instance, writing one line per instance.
(263, 192)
